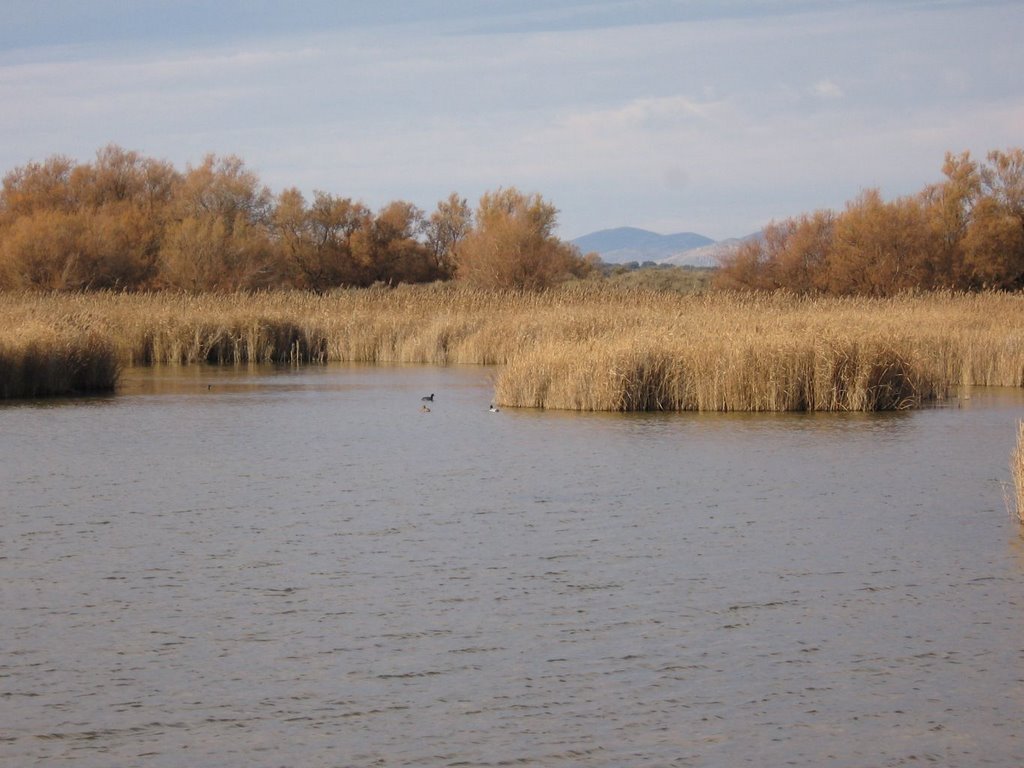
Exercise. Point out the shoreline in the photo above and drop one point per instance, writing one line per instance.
(578, 347)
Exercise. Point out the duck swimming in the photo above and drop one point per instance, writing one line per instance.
(428, 398)
(493, 409)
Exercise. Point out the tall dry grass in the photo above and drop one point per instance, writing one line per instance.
(584, 347)
(39, 360)
(1017, 474)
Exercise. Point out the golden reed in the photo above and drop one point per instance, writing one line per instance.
(38, 360)
(580, 347)
(1017, 475)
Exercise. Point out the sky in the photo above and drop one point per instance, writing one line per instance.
(670, 115)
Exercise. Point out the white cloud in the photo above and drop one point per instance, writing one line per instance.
(828, 89)
(654, 113)
(716, 123)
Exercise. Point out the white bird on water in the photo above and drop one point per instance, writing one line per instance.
(493, 409)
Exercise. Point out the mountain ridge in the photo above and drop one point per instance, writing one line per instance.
(620, 245)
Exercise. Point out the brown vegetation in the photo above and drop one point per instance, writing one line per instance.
(514, 246)
(1017, 473)
(40, 360)
(585, 347)
(128, 222)
(964, 233)
(660, 277)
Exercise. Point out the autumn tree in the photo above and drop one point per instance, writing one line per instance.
(43, 250)
(446, 228)
(338, 242)
(391, 248)
(964, 232)
(744, 266)
(37, 187)
(949, 207)
(513, 244)
(316, 239)
(98, 225)
(1003, 180)
(804, 259)
(38, 227)
(126, 221)
(994, 242)
(126, 198)
(880, 248)
(218, 237)
(791, 254)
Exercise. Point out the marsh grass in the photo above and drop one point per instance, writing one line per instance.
(738, 373)
(40, 361)
(1017, 476)
(583, 348)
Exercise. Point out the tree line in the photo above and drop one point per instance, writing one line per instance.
(130, 222)
(965, 232)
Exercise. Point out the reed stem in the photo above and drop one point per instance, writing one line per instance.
(579, 347)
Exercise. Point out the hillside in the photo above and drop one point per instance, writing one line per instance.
(625, 244)
(704, 256)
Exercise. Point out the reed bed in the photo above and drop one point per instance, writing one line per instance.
(737, 373)
(1017, 475)
(38, 360)
(581, 347)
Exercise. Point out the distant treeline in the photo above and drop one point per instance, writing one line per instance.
(130, 222)
(963, 233)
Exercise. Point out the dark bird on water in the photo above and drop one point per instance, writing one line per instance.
(429, 398)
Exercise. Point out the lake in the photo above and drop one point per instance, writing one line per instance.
(281, 567)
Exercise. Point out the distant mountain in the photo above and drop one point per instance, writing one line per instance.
(625, 244)
(708, 255)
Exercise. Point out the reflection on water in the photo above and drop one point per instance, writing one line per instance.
(269, 568)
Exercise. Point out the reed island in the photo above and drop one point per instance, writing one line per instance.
(885, 305)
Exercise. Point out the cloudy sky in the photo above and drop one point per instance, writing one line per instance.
(673, 115)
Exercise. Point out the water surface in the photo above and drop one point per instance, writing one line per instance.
(269, 567)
